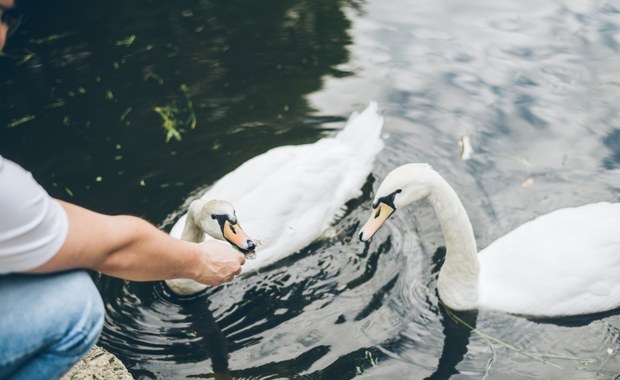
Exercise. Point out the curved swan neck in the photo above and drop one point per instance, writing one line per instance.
(183, 286)
(191, 231)
(458, 277)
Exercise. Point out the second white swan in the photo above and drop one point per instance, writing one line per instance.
(563, 263)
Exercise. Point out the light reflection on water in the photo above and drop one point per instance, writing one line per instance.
(534, 85)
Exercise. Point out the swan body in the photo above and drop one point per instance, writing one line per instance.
(563, 263)
(288, 196)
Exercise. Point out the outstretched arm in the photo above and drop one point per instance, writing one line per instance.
(131, 248)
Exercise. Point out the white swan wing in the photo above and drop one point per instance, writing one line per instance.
(563, 263)
(298, 201)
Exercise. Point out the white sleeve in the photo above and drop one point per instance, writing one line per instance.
(33, 225)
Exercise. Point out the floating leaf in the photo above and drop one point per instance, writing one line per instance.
(22, 58)
(58, 103)
(127, 42)
(124, 114)
(173, 133)
(528, 182)
(26, 58)
(167, 115)
(21, 121)
(50, 38)
(466, 149)
(371, 360)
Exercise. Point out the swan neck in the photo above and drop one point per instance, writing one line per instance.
(184, 286)
(191, 231)
(458, 277)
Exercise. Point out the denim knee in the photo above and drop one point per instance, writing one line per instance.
(51, 322)
(85, 314)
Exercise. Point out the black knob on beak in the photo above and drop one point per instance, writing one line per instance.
(251, 245)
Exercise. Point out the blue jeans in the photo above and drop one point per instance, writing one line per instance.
(47, 323)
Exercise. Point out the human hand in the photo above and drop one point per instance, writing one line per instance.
(219, 263)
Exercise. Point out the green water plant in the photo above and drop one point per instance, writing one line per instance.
(172, 116)
(168, 115)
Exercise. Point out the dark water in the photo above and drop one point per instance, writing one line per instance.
(534, 85)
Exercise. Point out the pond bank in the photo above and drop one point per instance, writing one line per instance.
(98, 364)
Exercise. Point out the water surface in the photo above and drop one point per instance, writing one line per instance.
(535, 86)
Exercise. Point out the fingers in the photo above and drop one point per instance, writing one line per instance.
(222, 261)
(221, 280)
(229, 278)
(236, 272)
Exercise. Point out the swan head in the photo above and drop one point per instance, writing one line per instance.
(401, 187)
(217, 218)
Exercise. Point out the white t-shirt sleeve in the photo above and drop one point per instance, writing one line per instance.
(33, 225)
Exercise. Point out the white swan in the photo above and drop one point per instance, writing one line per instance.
(564, 263)
(288, 196)
(216, 219)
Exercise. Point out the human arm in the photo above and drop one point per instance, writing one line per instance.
(131, 248)
(4, 5)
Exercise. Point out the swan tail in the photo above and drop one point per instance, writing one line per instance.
(363, 130)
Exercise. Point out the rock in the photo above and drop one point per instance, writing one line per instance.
(98, 364)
